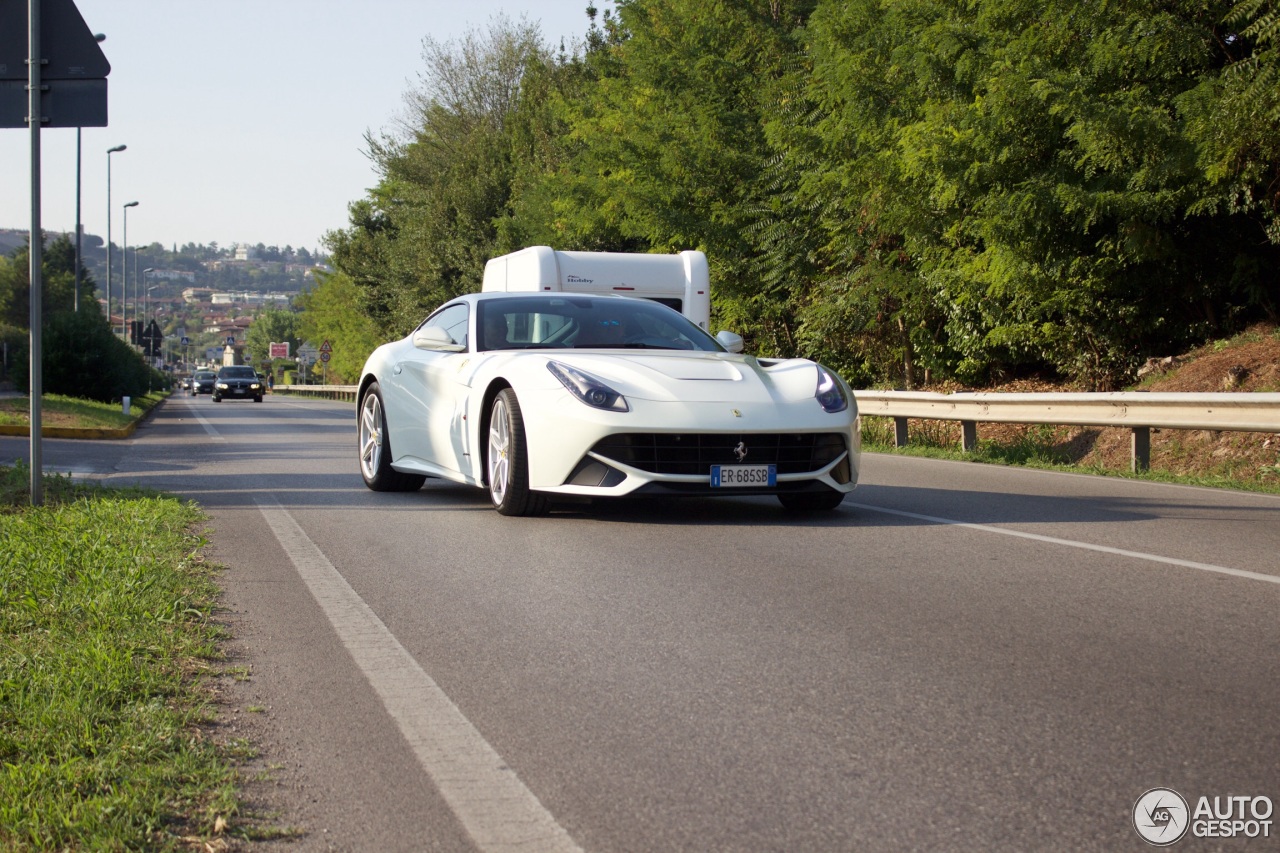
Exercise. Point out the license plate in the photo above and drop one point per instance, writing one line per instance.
(237, 391)
(737, 476)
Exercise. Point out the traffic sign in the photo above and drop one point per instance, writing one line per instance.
(325, 347)
(73, 67)
(324, 356)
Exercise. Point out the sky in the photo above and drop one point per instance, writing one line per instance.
(244, 120)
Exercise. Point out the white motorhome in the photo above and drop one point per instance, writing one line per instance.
(678, 281)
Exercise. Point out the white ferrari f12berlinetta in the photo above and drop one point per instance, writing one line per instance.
(537, 395)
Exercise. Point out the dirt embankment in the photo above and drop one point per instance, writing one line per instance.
(1249, 362)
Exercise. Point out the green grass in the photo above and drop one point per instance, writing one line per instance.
(105, 613)
(57, 410)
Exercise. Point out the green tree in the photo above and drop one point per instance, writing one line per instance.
(271, 325)
(1038, 180)
(57, 280)
(1235, 123)
(669, 152)
(330, 313)
(428, 228)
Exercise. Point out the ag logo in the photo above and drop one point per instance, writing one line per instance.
(1161, 816)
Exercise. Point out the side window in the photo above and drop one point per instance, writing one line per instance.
(453, 319)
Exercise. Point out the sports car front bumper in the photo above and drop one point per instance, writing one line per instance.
(671, 447)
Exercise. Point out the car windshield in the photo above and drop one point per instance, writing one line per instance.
(237, 373)
(585, 322)
(205, 374)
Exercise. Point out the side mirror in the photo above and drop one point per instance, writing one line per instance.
(436, 339)
(730, 341)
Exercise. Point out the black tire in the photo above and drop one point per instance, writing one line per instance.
(825, 500)
(374, 446)
(257, 399)
(507, 460)
(217, 399)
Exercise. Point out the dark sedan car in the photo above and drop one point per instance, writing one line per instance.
(202, 382)
(237, 382)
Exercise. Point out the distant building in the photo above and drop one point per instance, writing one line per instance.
(236, 298)
(173, 275)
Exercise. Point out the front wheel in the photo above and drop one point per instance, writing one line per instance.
(507, 464)
(827, 499)
(375, 449)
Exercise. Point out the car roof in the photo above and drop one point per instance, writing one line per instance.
(490, 296)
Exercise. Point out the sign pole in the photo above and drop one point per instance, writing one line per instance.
(36, 249)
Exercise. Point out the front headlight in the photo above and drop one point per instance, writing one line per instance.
(223, 386)
(587, 388)
(254, 387)
(829, 393)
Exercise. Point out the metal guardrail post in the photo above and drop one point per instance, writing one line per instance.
(1141, 460)
(899, 432)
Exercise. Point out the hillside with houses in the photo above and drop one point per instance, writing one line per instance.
(200, 297)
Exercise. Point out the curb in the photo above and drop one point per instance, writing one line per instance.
(70, 432)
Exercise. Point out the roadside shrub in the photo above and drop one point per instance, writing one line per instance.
(12, 340)
(82, 358)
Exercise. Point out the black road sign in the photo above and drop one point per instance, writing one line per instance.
(74, 67)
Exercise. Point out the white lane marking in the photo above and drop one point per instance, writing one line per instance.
(208, 427)
(490, 801)
(1137, 555)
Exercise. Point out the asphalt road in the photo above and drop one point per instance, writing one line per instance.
(962, 657)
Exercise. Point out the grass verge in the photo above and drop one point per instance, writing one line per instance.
(60, 411)
(105, 610)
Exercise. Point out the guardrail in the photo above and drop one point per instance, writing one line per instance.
(1139, 411)
(328, 392)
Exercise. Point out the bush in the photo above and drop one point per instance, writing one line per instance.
(12, 341)
(82, 358)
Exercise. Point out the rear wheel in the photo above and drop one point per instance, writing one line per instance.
(375, 449)
(507, 464)
(827, 499)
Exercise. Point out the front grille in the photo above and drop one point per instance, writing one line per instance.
(695, 453)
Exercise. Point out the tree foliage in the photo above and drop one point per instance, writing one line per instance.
(906, 189)
(330, 313)
(427, 229)
(81, 357)
(270, 326)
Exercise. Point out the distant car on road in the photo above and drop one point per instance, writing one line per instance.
(237, 382)
(202, 382)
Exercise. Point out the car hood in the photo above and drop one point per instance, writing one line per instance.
(708, 377)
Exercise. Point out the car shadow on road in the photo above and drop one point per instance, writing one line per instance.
(908, 506)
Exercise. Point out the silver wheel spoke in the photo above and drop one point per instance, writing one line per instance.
(499, 448)
(371, 437)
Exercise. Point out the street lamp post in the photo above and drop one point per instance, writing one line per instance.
(98, 37)
(124, 289)
(110, 151)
